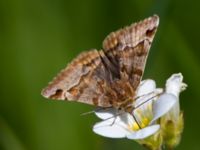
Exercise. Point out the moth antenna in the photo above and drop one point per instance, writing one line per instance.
(93, 111)
(87, 113)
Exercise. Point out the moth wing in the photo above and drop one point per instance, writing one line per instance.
(128, 48)
(103, 78)
(84, 80)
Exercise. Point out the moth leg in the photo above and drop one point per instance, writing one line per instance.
(136, 120)
(143, 95)
(113, 121)
(130, 109)
(149, 99)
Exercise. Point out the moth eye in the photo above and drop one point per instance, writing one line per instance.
(150, 32)
(57, 94)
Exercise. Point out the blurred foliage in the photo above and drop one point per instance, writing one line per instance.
(39, 37)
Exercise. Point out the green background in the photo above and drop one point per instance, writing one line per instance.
(39, 37)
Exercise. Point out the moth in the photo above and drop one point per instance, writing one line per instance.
(108, 77)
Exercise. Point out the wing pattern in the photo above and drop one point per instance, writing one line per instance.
(110, 76)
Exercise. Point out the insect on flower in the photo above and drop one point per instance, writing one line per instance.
(111, 79)
(148, 108)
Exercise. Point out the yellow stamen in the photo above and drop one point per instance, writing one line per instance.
(144, 122)
(135, 126)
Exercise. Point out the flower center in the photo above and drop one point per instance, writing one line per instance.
(143, 116)
(142, 123)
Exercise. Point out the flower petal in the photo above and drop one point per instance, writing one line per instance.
(143, 133)
(106, 113)
(145, 87)
(174, 84)
(108, 129)
(162, 105)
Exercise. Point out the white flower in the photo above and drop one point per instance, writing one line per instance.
(142, 124)
(172, 123)
(174, 86)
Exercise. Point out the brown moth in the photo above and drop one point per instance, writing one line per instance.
(108, 77)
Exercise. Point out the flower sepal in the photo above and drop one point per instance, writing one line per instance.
(171, 130)
(153, 142)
